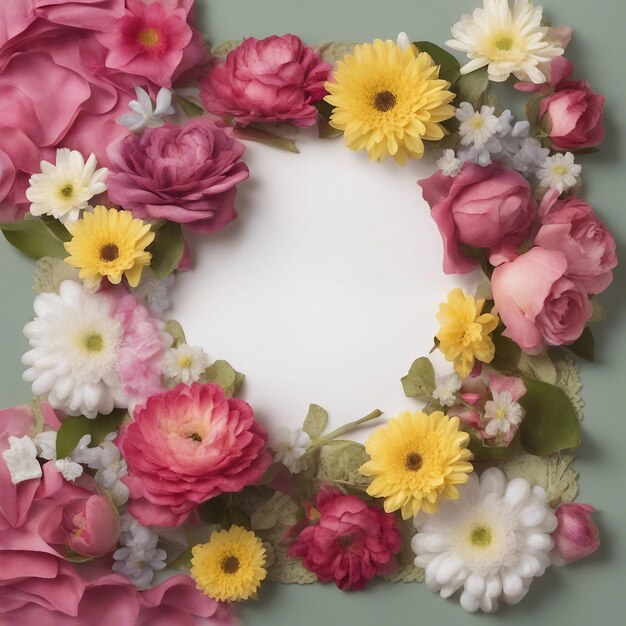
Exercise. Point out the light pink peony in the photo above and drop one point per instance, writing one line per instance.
(183, 174)
(536, 301)
(572, 227)
(577, 535)
(187, 445)
(484, 207)
(277, 79)
(349, 543)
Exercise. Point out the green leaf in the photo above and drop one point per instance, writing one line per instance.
(340, 461)
(75, 427)
(471, 87)
(236, 517)
(183, 560)
(550, 424)
(507, 355)
(220, 373)
(175, 330)
(189, 107)
(37, 237)
(166, 249)
(540, 367)
(260, 135)
(420, 381)
(483, 452)
(315, 421)
(584, 346)
(236, 387)
(213, 511)
(325, 130)
(449, 67)
(325, 109)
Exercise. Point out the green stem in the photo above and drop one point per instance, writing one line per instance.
(38, 415)
(342, 430)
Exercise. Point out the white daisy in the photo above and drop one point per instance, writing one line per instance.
(289, 447)
(559, 172)
(449, 164)
(21, 459)
(64, 189)
(144, 115)
(75, 343)
(502, 414)
(185, 363)
(477, 127)
(446, 390)
(490, 543)
(507, 41)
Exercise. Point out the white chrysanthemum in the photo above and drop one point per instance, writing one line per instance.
(559, 172)
(144, 115)
(449, 164)
(21, 459)
(446, 390)
(477, 127)
(64, 189)
(75, 343)
(289, 447)
(185, 363)
(502, 414)
(507, 41)
(491, 542)
(153, 291)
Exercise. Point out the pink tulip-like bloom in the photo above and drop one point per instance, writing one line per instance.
(187, 445)
(277, 79)
(185, 174)
(484, 207)
(572, 227)
(538, 303)
(350, 543)
(577, 535)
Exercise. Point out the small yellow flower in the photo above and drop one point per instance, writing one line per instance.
(109, 243)
(464, 332)
(387, 100)
(415, 460)
(230, 567)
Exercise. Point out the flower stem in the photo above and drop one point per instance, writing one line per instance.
(342, 430)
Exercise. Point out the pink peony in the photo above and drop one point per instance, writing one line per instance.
(350, 543)
(187, 175)
(270, 80)
(187, 445)
(483, 207)
(576, 536)
(572, 227)
(536, 301)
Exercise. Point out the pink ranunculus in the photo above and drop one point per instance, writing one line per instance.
(277, 79)
(96, 15)
(187, 445)
(483, 207)
(576, 535)
(572, 227)
(349, 543)
(536, 301)
(183, 174)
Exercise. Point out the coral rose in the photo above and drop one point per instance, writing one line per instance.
(187, 445)
(484, 207)
(183, 174)
(577, 535)
(350, 543)
(269, 80)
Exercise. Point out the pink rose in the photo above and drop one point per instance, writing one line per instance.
(572, 227)
(577, 535)
(187, 445)
(270, 80)
(536, 301)
(183, 174)
(350, 543)
(484, 207)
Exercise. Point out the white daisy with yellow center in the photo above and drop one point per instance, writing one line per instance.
(502, 414)
(185, 363)
(559, 172)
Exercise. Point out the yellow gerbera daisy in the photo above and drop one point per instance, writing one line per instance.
(109, 243)
(417, 459)
(464, 331)
(387, 100)
(230, 566)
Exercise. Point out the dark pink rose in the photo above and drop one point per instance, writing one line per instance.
(572, 227)
(350, 542)
(187, 445)
(484, 207)
(536, 301)
(577, 535)
(183, 174)
(269, 80)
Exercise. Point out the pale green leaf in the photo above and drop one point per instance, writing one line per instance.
(166, 249)
(267, 138)
(36, 239)
(420, 381)
(471, 87)
(175, 330)
(315, 421)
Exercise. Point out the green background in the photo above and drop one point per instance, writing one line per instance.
(590, 592)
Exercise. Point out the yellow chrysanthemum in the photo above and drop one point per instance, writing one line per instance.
(388, 100)
(109, 243)
(464, 331)
(230, 566)
(417, 459)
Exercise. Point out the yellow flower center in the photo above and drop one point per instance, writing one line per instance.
(109, 252)
(94, 342)
(472, 332)
(477, 122)
(560, 169)
(481, 536)
(67, 191)
(149, 37)
(230, 565)
(500, 414)
(504, 43)
(413, 461)
(185, 362)
(384, 101)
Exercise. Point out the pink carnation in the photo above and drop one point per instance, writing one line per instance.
(187, 445)
(350, 543)
(270, 80)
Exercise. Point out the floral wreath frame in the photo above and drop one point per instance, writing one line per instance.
(99, 465)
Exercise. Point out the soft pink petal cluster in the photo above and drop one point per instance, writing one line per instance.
(277, 79)
(187, 445)
(348, 542)
(576, 535)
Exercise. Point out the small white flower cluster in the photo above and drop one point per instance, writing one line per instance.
(446, 390)
(289, 447)
(138, 558)
(185, 363)
(154, 292)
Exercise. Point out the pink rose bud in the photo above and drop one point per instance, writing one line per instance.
(577, 535)
(92, 526)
